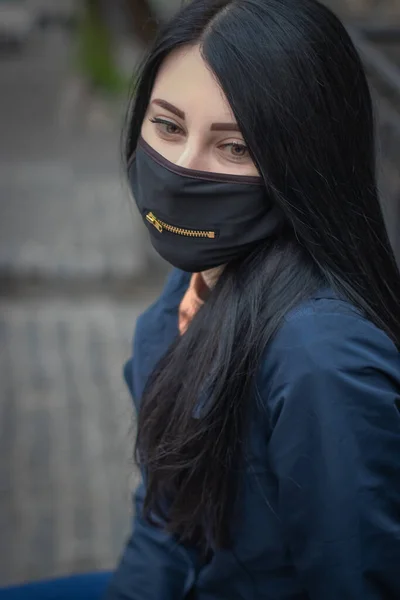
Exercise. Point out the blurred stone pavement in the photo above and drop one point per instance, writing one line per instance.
(75, 272)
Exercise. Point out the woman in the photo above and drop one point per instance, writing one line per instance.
(267, 375)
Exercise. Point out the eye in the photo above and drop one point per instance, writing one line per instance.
(236, 151)
(166, 127)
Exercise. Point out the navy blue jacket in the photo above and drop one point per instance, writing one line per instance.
(319, 503)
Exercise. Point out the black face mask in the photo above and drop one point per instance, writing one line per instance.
(198, 220)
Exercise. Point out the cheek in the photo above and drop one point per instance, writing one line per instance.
(252, 171)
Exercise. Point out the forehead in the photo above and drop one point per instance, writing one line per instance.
(186, 81)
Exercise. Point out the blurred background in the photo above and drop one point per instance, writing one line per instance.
(76, 268)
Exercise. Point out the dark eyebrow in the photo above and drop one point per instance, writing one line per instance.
(224, 127)
(164, 104)
(179, 113)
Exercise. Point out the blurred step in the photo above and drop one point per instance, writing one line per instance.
(66, 435)
(59, 223)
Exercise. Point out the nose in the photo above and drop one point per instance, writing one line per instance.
(192, 157)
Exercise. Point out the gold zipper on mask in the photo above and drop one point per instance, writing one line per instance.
(160, 226)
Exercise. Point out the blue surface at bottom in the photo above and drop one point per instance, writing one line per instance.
(89, 587)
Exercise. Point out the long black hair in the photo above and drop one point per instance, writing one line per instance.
(299, 93)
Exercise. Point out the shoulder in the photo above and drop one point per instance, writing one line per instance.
(162, 313)
(158, 322)
(330, 390)
(155, 330)
(325, 347)
(175, 286)
(326, 333)
(168, 300)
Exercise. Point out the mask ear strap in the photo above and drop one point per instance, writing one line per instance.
(131, 160)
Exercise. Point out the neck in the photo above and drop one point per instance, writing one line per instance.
(211, 276)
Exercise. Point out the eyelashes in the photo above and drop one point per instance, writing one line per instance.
(234, 151)
(169, 127)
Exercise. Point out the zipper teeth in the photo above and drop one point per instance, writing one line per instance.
(188, 232)
(178, 230)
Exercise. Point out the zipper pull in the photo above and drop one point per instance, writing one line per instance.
(152, 219)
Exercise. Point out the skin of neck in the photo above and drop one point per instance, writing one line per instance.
(211, 276)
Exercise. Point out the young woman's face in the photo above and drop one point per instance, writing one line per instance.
(189, 120)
